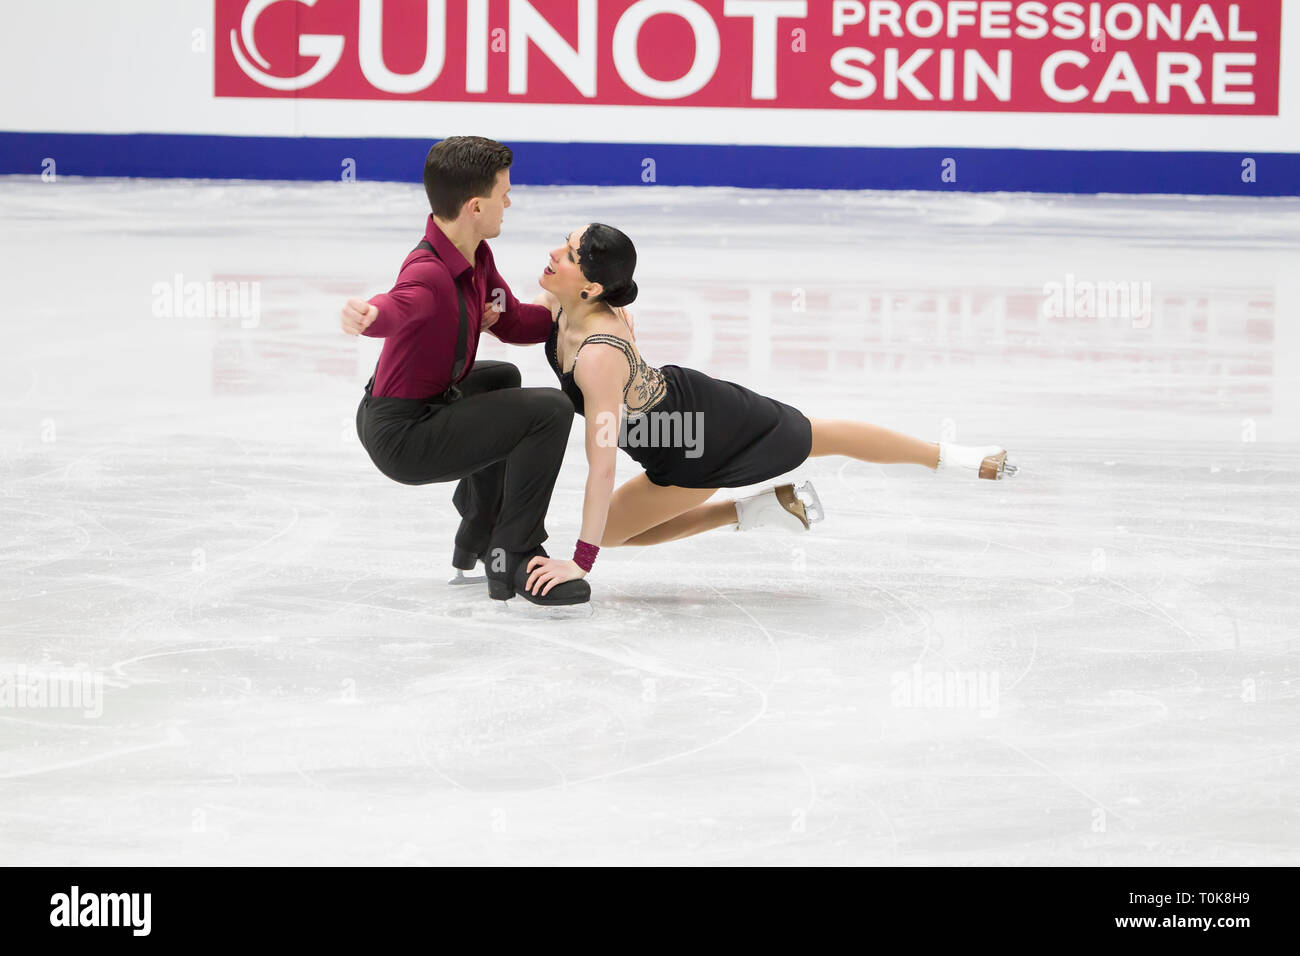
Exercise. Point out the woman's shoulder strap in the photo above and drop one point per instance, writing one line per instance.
(605, 338)
(623, 345)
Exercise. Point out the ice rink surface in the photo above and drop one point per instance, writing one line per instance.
(1094, 663)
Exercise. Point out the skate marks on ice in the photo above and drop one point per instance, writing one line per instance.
(636, 709)
(1093, 663)
(1130, 665)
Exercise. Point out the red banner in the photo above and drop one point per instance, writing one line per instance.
(981, 55)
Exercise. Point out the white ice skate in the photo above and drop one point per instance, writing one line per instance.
(790, 507)
(985, 461)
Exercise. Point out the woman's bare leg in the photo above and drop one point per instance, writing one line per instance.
(643, 513)
(705, 517)
(868, 442)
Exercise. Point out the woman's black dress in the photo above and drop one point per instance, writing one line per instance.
(701, 432)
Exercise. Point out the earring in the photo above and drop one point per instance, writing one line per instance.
(584, 295)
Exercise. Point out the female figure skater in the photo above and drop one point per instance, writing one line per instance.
(747, 438)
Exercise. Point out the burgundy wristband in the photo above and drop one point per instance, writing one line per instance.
(585, 555)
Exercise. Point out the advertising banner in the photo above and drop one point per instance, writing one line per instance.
(1163, 57)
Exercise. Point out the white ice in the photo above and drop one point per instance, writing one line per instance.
(189, 519)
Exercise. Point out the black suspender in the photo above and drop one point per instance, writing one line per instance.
(462, 334)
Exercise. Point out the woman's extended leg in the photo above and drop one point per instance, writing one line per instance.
(643, 513)
(868, 442)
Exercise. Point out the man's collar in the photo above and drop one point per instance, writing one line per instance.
(447, 251)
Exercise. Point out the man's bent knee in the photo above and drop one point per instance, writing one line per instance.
(553, 402)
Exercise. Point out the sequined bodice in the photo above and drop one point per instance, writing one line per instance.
(644, 389)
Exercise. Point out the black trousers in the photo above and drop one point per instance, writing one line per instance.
(503, 443)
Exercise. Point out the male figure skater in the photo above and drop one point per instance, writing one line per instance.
(429, 413)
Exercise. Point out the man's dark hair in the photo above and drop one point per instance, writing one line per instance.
(461, 167)
(607, 256)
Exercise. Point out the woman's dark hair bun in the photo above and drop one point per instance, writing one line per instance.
(607, 256)
(622, 296)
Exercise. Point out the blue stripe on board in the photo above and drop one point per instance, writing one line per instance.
(619, 164)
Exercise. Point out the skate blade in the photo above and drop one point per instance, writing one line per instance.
(461, 581)
(995, 467)
(523, 609)
(812, 504)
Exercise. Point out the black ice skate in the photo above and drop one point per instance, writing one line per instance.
(503, 584)
(463, 559)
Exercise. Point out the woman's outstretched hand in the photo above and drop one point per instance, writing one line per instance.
(544, 573)
(490, 315)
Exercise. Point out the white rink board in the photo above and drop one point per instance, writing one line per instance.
(102, 84)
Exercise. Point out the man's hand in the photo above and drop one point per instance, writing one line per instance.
(490, 315)
(358, 315)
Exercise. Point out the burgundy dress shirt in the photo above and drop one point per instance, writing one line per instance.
(419, 319)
